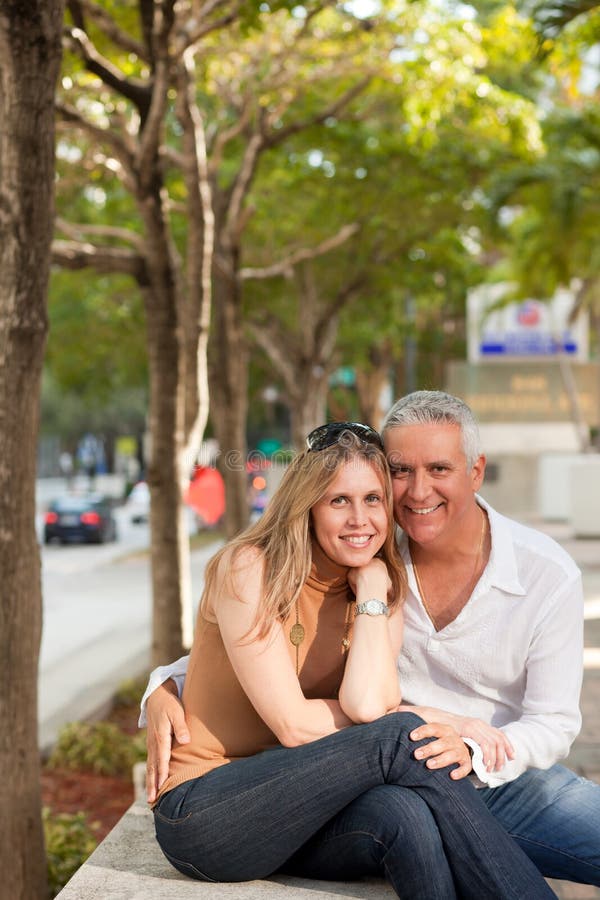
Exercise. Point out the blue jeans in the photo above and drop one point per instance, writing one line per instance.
(554, 815)
(325, 809)
(387, 832)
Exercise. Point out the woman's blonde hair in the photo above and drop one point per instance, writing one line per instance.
(283, 533)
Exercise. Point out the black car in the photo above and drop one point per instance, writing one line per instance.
(88, 518)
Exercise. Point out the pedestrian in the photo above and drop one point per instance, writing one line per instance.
(65, 462)
(298, 760)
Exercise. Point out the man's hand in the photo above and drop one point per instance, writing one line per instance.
(448, 748)
(495, 747)
(165, 718)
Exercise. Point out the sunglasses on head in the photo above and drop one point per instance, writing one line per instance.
(328, 435)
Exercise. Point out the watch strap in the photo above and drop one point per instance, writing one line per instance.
(372, 607)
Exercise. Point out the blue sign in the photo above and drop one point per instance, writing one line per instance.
(532, 328)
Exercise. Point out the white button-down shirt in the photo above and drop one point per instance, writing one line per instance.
(514, 654)
(512, 657)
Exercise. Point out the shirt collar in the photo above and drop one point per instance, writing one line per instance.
(501, 571)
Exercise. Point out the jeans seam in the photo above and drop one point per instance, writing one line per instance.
(456, 799)
(174, 860)
(168, 820)
(348, 833)
(210, 806)
(559, 850)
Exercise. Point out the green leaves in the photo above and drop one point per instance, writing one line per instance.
(69, 841)
(461, 143)
(100, 747)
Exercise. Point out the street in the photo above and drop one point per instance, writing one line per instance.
(97, 622)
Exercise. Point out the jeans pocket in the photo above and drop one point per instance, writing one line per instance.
(187, 868)
(167, 820)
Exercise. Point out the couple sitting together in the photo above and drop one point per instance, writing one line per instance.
(345, 680)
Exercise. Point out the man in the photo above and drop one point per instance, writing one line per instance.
(493, 632)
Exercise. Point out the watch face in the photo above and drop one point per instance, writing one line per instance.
(372, 607)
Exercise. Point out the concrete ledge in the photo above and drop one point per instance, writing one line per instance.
(128, 865)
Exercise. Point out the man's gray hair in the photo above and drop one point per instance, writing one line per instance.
(434, 408)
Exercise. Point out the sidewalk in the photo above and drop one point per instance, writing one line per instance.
(98, 635)
(585, 753)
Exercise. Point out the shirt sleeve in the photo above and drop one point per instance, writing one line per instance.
(158, 676)
(550, 719)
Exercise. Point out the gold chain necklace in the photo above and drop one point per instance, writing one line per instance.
(297, 633)
(471, 580)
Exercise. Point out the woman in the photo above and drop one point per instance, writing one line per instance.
(298, 761)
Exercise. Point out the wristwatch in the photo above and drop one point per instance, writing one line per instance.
(372, 608)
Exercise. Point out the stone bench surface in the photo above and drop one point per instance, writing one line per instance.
(128, 865)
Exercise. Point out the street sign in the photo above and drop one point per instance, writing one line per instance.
(530, 329)
(526, 391)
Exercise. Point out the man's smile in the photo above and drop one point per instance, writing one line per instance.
(424, 510)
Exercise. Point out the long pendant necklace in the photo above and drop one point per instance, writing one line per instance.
(471, 580)
(297, 633)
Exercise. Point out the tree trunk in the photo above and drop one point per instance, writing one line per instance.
(595, 320)
(577, 417)
(372, 384)
(308, 407)
(229, 398)
(195, 340)
(196, 301)
(30, 53)
(172, 619)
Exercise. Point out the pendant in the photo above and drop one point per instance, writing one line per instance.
(345, 643)
(297, 634)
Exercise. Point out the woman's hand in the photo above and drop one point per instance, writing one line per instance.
(165, 718)
(372, 579)
(495, 746)
(447, 749)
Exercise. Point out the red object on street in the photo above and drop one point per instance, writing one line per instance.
(206, 495)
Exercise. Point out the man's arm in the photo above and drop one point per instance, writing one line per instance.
(535, 659)
(165, 719)
(550, 718)
(176, 671)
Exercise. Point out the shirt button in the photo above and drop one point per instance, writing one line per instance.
(433, 645)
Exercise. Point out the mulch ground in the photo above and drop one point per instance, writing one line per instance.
(103, 798)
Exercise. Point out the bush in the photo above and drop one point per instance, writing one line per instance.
(99, 747)
(69, 842)
(139, 747)
(130, 692)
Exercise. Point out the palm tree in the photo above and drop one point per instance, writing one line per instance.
(551, 17)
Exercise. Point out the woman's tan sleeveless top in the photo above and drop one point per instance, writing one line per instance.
(223, 724)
